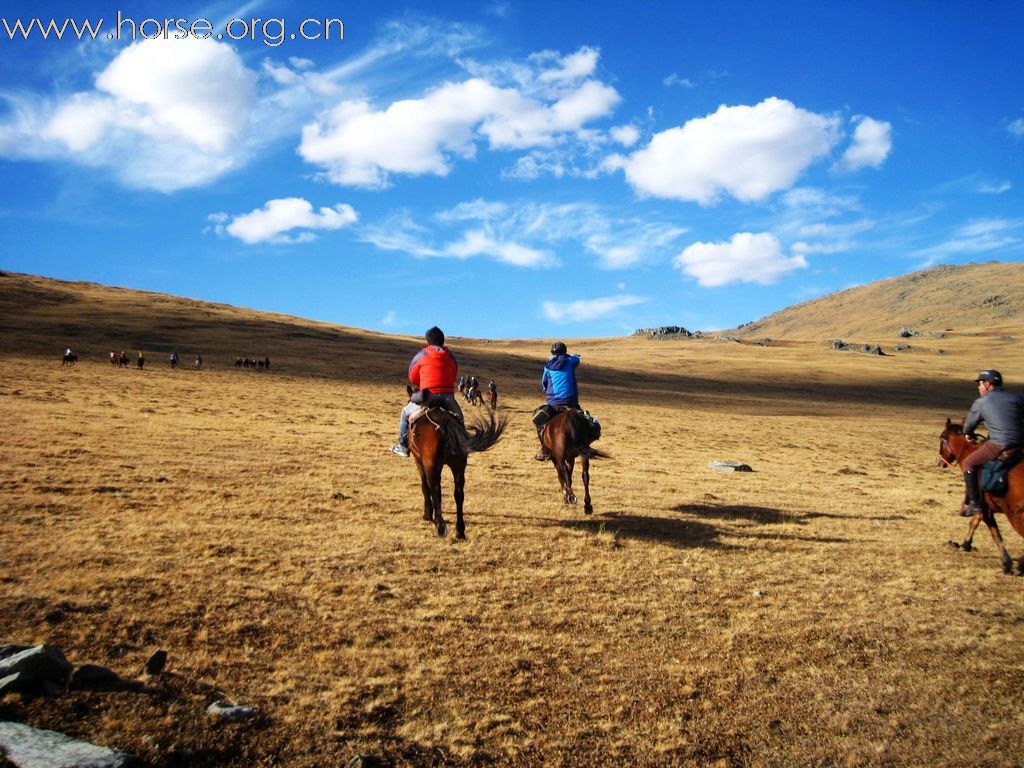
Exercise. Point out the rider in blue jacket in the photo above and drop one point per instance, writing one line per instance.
(559, 383)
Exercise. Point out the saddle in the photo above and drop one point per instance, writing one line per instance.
(995, 474)
(545, 413)
(426, 400)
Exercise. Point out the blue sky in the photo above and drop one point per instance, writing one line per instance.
(511, 169)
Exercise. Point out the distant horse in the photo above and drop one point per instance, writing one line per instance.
(437, 438)
(954, 447)
(566, 436)
(492, 395)
(474, 396)
(69, 359)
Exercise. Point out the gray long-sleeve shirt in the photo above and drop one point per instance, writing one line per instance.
(1003, 413)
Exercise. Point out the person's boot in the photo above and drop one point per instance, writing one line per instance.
(975, 506)
(400, 448)
(542, 454)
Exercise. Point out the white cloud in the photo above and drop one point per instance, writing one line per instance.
(995, 187)
(675, 79)
(165, 115)
(399, 232)
(626, 135)
(1016, 128)
(872, 143)
(270, 223)
(587, 309)
(569, 68)
(747, 152)
(527, 234)
(480, 243)
(978, 236)
(746, 258)
(626, 244)
(359, 145)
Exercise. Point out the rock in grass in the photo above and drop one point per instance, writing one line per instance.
(27, 747)
(728, 465)
(45, 663)
(229, 712)
(156, 663)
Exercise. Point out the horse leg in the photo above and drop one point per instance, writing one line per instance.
(588, 508)
(459, 477)
(569, 463)
(428, 509)
(435, 496)
(967, 544)
(997, 537)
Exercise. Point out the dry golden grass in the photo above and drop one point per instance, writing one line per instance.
(253, 524)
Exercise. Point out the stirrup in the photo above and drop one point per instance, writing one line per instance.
(970, 510)
(542, 455)
(400, 450)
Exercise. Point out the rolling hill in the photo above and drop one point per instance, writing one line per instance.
(969, 297)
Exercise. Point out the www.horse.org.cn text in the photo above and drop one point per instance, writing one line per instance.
(271, 32)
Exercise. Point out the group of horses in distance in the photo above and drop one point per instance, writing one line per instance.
(954, 447)
(437, 438)
(470, 391)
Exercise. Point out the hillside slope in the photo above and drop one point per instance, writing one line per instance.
(968, 297)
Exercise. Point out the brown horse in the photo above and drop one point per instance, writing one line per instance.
(565, 437)
(437, 438)
(954, 447)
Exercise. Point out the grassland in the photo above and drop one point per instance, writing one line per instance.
(253, 524)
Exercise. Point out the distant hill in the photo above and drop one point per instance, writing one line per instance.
(969, 297)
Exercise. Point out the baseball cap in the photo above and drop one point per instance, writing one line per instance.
(995, 378)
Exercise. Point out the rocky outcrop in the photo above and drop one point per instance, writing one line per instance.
(26, 747)
(667, 332)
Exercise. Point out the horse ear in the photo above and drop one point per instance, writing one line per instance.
(409, 389)
(948, 423)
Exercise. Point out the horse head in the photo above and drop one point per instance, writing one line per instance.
(951, 444)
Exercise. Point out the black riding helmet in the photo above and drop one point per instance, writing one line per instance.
(435, 336)
(558, 348)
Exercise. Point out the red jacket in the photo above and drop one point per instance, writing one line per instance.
(434, 368)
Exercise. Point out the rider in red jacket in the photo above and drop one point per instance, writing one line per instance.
(432, 368)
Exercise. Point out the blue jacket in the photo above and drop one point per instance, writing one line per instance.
(559, 380)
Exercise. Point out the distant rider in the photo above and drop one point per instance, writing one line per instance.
(559, 384)
(433, 368)
(1002, 413)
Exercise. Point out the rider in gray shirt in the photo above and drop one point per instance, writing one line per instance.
(1002, 413)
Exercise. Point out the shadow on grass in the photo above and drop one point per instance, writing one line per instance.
(762, 515)
(664, 530)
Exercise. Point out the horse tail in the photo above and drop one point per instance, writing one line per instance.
(579, 436)
(487, 431)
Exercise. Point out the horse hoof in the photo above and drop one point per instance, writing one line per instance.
(570, 499)
(588, 509)
(442, 530)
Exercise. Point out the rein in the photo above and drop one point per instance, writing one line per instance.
(943, 459)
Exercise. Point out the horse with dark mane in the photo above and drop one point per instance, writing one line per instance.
(566, 436)
(438, 437)
(69, 359)
(954, 447)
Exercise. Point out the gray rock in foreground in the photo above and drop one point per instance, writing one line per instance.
(229, 712)
(729, 465)
(28, 747)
